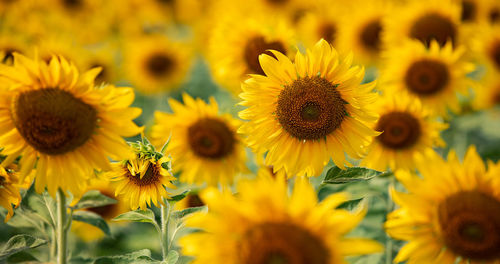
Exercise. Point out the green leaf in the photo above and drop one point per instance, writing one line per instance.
(179, 197)
(172, 257)
(92, 219)
(335, 175)
(22, 256)
(94, 199)
(138, 257)
(188, 211)
(41, 206)
(20, 243)
(146, 216)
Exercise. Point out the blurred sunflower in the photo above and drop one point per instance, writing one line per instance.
(488, 94)
(284, 229)
(452, 213)
(193, 199)
(9, 190)
(473, 11)
(142, 181)
(361, 31)
(493, 11)
(88, 232)
(10, 43)
(304, 113)
(322, 22)
(433, 74)
(486, 47)
(204, 144)
(234, 48)
(156, 64)
(424, 20)
(407, 129)
(103, 57)
(55, 118)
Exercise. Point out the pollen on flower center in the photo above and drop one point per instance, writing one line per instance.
(427, 77)
(370, 35)
(400, 130)
(257, 46)
(211, 138)
(433, 26)
(268, 243)
(159, 65)
(470, 222)
(151, 176)
(52, 120)
(310, 108)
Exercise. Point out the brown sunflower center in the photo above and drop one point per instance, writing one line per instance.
(73, 4)
(159, 65)
(327, 31)
(494, 15)
(427, 77)
(257, 46)
(310, 108)
(370, 35)
(433, 26)
(211, 138)
(469, 10)
(276, 243)
(107, 211)
(194, 200)
(52, 120)
(495, 53)
(152, 176)
(400, 130)
(470, 222)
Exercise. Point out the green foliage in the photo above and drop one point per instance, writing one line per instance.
(172, 257)
(188, 211)
(21, 257)
(92, 219)
(93, 199)
(335, 175)
(179, 197)
(20, 243)
(146, 216)
(138, 257)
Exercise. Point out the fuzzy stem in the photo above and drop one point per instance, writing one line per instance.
(61, 228)
(165, 218)
(53, 245)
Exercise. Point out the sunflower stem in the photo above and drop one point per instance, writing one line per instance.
(165, 219)
(61, 230)
(53, 245)
(390, 207)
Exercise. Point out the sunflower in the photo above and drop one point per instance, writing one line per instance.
(156, 64)
(57, 119)
(193, 199)
(9, 190)
(204, 144)
(493, 12)
(486, 47)
(264, 224)
(142, 181)
(361, 31)
(452, 212)
(103, 57)
(473, 11)
(234, 48)
(304, 113)
(322, 22)
(89, 232)
(488, 94)
(408, 130)
(424, 20)
(433, 74)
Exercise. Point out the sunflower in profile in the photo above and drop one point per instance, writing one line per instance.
(361, 31)
(424, 20)
(408, 130)
(56, 118)
(9, 190)
(204, 144)
(142, 181)
(433, 74)
(234, 48)
(306, 112)
(156, 64)
(284, 229)
(452, 212)
(89, 232)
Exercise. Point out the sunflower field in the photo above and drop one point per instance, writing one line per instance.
(250, 132)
